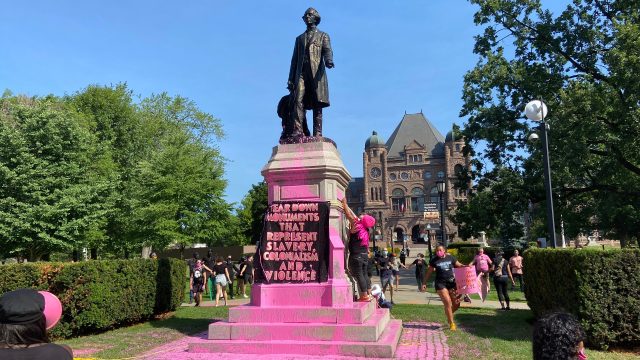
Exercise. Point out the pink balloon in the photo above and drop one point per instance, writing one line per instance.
(52, 309)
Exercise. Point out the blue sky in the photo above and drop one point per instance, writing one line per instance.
(232, 58)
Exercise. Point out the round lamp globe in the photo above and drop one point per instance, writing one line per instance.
(535, 110)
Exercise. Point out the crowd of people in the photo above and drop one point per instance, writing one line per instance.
(215, 276)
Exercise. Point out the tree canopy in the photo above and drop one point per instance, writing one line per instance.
(98, 169)
(585, 64)
(252, 210)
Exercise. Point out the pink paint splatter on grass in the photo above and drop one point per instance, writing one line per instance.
(424, 341)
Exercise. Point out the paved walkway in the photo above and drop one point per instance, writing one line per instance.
(424, 341)
(407, 291)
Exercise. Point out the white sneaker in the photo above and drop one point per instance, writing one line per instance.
(245, 296)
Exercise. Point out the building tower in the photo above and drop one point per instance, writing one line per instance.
(375, 186)
(456, 163)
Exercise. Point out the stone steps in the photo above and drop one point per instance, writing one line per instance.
(370, 330)
(357, 314)
(384, 347)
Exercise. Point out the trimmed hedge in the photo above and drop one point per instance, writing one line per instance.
(600, 287)
(101, 295)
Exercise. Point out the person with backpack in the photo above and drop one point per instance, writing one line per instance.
(501, 274)
(482, 263)
(403, 257)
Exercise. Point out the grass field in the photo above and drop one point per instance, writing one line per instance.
(482, 333)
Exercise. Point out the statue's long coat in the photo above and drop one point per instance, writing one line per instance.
(319, 52)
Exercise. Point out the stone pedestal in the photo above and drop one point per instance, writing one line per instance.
(310, 318)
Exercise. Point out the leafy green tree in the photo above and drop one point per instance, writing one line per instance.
(99, 170)
(584, 63)
(112, 116)
(252, 211)
(496, 206)
(48, 202)
(181, 177)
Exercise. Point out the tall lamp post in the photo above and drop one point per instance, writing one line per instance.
(441, 187)
(536, 111)
(429, 240)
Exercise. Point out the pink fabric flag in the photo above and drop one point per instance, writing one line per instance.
(467, 280)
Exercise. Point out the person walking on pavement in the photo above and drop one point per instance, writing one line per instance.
(516, 269)
(232, 275)
(395, 269)
(221, 272)
(386, 275)
(502, 274)
(482, 263)
(246, 273)
(403, 257)
(445, 284)
(209, 279)
(421, 267)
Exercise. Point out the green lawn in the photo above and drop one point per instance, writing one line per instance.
(488, 333)
(137, 339)
(482, 333)
(515, 295)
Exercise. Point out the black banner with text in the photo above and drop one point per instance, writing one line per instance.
(294, 247)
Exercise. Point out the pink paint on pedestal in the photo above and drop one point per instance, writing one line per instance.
(424, 341)
(310, 318)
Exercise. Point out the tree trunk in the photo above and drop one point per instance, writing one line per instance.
(94, 254)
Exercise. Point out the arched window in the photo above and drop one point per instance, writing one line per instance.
(397, 200)
(417, 200)
(458, 169)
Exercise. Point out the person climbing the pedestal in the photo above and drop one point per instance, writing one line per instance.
(358, 249)
(445, 283)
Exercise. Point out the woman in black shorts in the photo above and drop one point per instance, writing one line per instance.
(445, 283)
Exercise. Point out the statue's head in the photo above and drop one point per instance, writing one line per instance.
(311, 16)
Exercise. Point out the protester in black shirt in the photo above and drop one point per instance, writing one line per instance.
(192, 263)
(421, 266)
(445, 284)
(210, 280)
(221, 273)
(246, 274)
(386, 275)
(501, 276)
(359, 249)
(232, 275)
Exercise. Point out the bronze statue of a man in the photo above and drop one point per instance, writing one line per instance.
(307, 77)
